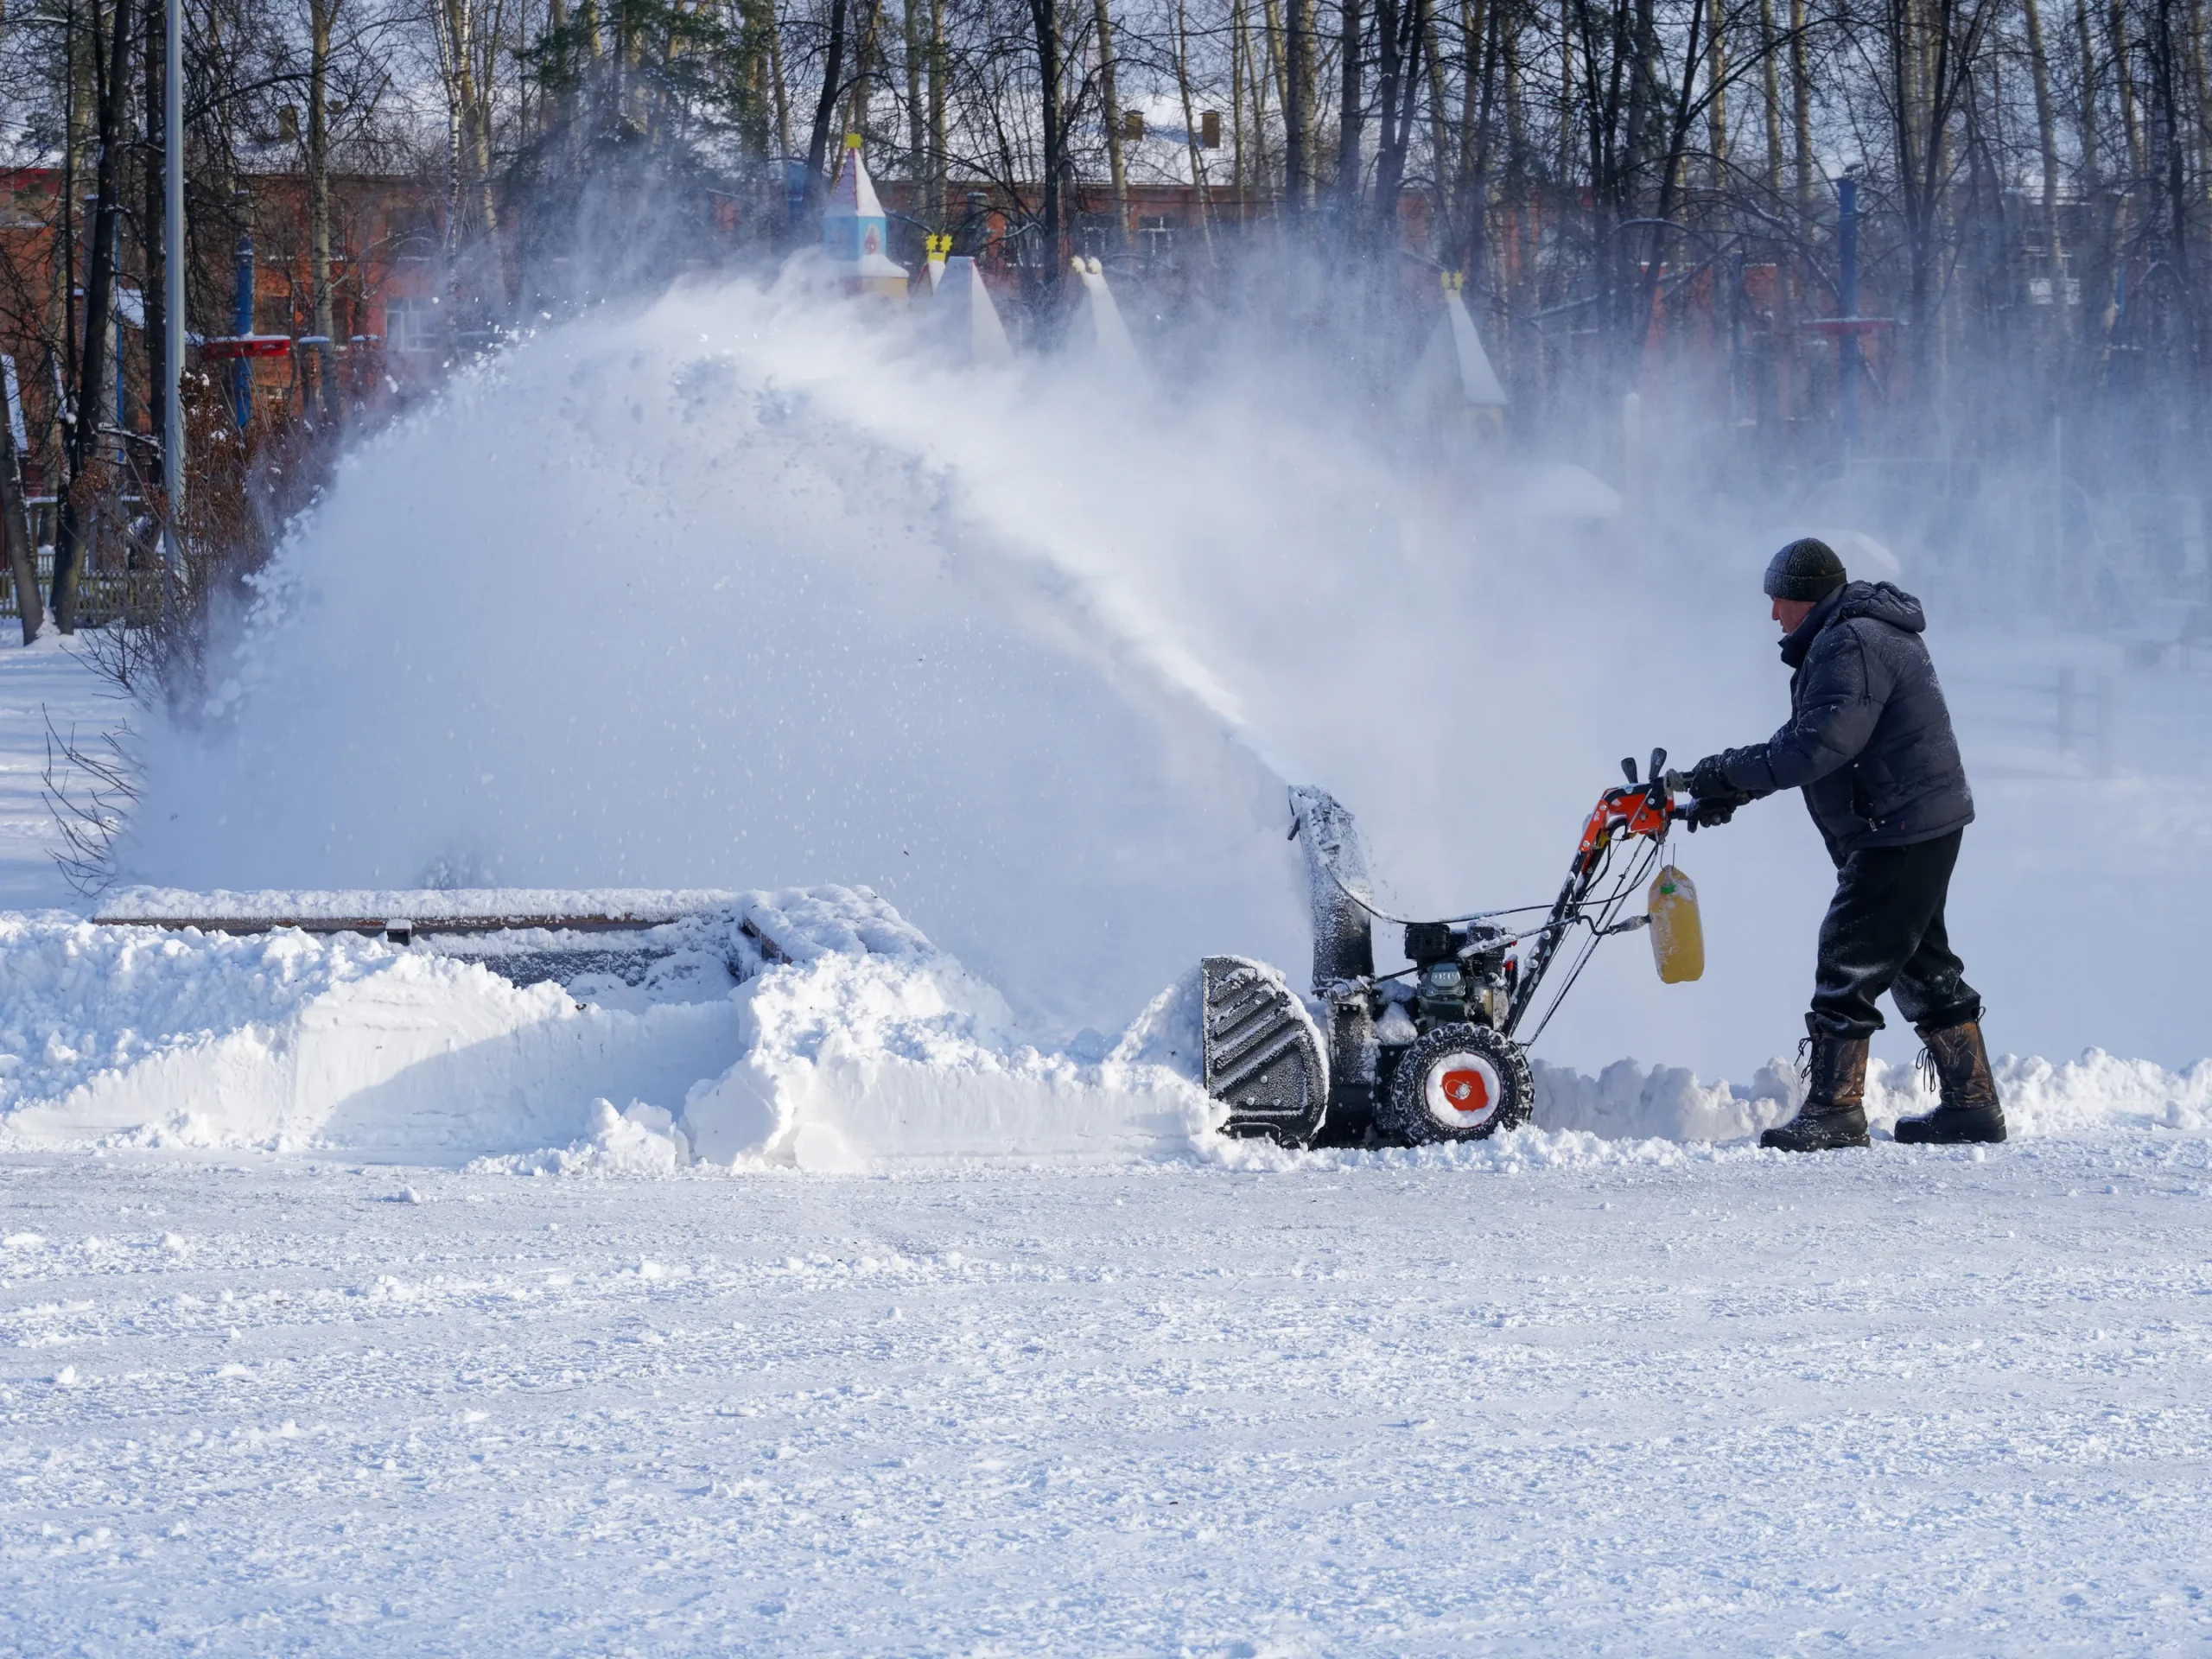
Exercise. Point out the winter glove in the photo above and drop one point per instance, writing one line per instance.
(1713, 798)
(1708, 781)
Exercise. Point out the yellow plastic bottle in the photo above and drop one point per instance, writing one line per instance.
(1677, 936)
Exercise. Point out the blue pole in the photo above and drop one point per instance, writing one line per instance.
(795, 191)
(1846, 344)
(242, 324)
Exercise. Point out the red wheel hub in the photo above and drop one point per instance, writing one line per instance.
(1466, 1089)
(1462, 1089)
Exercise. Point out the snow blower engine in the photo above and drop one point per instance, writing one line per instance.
(1431, 1052)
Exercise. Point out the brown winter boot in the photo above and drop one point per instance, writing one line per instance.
(1970, 1110)
(1835, 1112)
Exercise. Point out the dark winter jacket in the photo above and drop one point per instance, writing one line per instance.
(1869, 739)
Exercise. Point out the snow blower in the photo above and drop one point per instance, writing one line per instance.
(1431, 1052)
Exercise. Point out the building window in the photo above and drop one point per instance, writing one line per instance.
(413, 326)
(1156, 236)
(1093, 236)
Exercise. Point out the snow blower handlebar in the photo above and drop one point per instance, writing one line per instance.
(1634, 810)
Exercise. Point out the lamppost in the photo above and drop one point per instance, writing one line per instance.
(173, 275)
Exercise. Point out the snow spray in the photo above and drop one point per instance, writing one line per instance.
(750, 589)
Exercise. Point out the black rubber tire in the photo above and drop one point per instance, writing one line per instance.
(1493, 1066)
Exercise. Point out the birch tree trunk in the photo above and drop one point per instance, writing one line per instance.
(1569, 93)
(1716, 90)
(1516, 116)
(93, 362)
(1349, 113)
(77, 99)
(2201, 95)
(782, 91)
(15, 531)
(553, 107)
(864, 61)
(476, 114)
(2046, 139)
(1278, 58)
(1261, 78)
(1440, 125)
(153, 219)
(2123, 75)
(1109, 94)
(1770, 95)
(2085, 112)
(940, 77)
(1237, 52)
(918, 119)
(1199, 188)
(1801, 108)
(468, 137)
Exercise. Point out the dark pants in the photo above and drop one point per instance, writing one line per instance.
(1884, 931)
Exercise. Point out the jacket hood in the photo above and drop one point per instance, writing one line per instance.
(1880, 600)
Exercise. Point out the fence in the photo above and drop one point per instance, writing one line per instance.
(102, 595)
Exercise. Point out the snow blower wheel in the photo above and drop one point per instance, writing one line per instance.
(1459, 1082)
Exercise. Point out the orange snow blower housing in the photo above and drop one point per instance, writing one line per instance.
(1431, 1051)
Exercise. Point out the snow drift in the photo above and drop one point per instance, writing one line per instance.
(860, 1045)
(863, 1043)
(127, 1036)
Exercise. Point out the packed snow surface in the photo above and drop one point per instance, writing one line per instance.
(1554, 1395)
(50, 689)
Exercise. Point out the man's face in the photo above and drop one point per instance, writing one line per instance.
(1790, 612)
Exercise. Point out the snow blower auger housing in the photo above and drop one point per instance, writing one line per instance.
(1430, 1052)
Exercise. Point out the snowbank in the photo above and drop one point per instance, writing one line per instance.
(812, 1029)
(2042, 1097)
(2096, 1091)
(283, 1040)
(851, 1042)
(1624, 1102)
(851, 1063)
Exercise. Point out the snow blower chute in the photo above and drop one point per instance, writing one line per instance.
(1431, 1052)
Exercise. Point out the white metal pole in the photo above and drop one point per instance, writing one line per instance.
(173, 270)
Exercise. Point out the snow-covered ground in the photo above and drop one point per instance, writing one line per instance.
(49, 681)
(1581, 1398)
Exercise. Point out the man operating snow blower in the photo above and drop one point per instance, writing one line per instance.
(1869, 741)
